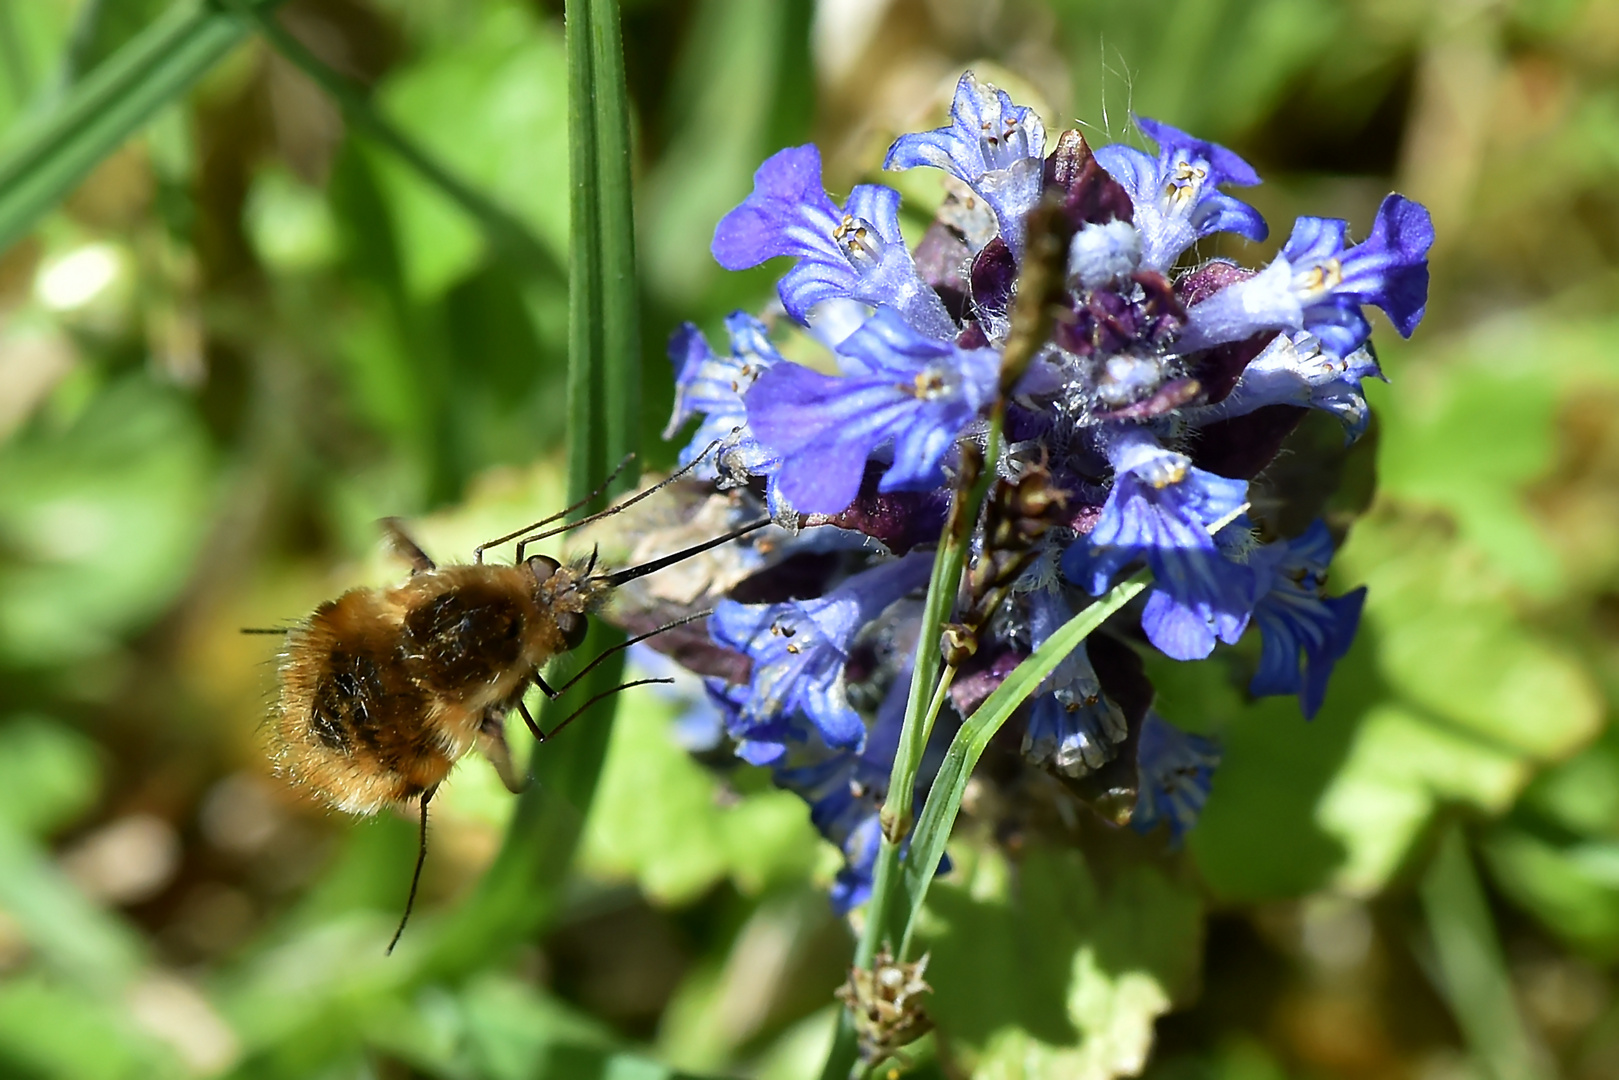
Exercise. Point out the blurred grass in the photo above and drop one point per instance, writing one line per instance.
(237, 325)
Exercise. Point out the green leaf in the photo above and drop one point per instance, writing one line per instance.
(1051, 967)
(1473, 972)
(512, 144)
(742, 66)
(604, 311)
(1452, 643)
(1400, 770)
(695, 837)
(100, 522)
(46, 158)
(521, 889)
(48, 1030)
(1572, 890)
(1210, 66)
(69, 934)
(49, 774)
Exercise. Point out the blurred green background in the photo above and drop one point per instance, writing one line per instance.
(254, 328)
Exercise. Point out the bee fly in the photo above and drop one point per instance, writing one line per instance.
(384, 690)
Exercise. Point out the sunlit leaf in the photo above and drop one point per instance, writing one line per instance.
(1051, 967)
(697, 837)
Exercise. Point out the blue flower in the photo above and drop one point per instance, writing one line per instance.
(1072, 723)
(1176, 197)
(1174, 771)
(712, 385)
(759, 740)
(846, 789)
(915, 392)
(1304, 632)
(854, 253)
(799, 650)
(1294, 370)
(1160, 509)
(1319, 284)
(993, 146)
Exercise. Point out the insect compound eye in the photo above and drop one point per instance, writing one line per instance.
(573, 628)
(541, 566)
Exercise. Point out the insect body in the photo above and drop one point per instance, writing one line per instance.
(383, 690)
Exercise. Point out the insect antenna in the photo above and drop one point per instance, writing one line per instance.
(546, 736)
(616, 579)
(611, 510)
(610, 650)
(477, 552)
(416, 875)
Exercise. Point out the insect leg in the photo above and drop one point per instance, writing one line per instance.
(534, 729)
(492, 742)
(611, 649)
(605, 693)
(416, 875)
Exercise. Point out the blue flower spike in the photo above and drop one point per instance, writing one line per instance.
(1176, 195)
(1167, 381)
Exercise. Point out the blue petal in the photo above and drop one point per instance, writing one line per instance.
(904, 388)
(1160, 509)
(712, 385)
(1175, 770)
(799, 650)
(1175, 197)
(991, 145)
(1294, 369)
(1304, 633)
(857, 253)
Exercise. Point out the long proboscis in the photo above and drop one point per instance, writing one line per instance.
(614, 580)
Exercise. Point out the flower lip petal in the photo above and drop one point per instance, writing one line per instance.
(787, 202)
(1226, 167)
(856, 253)
(905, 389)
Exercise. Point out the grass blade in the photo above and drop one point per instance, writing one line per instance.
(1472, 972)
(46, 158)
(520, 890)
